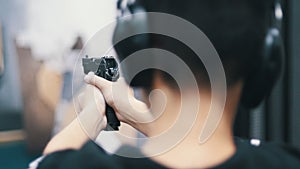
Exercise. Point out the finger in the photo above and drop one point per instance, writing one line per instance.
(104, 85)
(97, 81)
(89, 92)
(104, 122)
(82, 97)
(96, 95)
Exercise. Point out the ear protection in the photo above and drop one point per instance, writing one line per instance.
(134, 43)
(257, 86)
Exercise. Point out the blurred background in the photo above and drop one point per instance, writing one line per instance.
(39, 41)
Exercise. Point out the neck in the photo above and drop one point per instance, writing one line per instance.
(188, 152)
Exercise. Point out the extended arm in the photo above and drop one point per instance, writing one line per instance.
(87, 125)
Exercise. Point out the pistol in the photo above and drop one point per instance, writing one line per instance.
(107, 68)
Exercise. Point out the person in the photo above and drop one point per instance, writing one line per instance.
(237, 30)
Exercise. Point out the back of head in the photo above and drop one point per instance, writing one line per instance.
(236, 28)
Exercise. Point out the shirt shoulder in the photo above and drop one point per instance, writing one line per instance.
(251, 154)
(93, 156)
(254, 154)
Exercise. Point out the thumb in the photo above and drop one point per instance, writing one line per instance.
(97, 81)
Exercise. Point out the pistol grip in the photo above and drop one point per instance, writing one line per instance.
(112, 121)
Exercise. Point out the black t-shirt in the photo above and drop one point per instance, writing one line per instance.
(247, 156)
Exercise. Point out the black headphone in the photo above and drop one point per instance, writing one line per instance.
(257, 86)
(134, 43)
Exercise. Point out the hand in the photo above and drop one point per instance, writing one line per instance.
(120, 97)
(92, 111)
(90, 96)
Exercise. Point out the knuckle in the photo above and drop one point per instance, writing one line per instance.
(109, 101)
(104, 122)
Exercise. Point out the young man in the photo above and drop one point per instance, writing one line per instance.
(237, 29)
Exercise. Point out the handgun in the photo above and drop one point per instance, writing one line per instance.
(107, 68)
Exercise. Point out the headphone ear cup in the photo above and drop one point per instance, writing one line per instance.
(132, 26)
(260, 84)
(136, 27)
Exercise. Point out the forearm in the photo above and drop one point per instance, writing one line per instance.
(87, 125)
(72, 137)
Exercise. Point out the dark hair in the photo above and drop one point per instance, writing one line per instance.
(236, 28)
